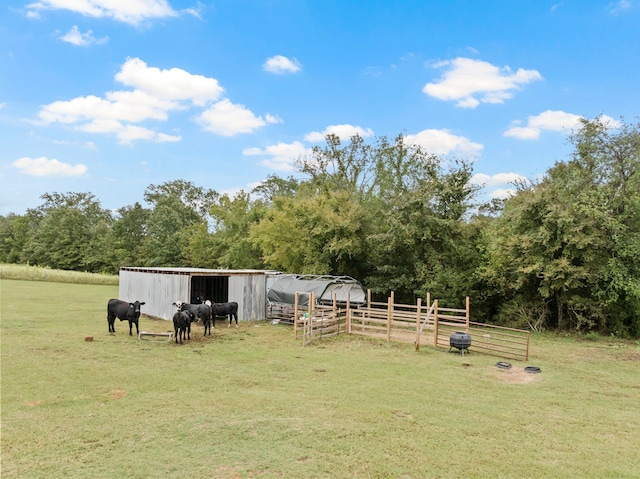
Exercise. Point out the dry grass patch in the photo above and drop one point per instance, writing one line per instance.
(515, 376)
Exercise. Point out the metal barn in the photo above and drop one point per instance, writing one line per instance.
(160, 287)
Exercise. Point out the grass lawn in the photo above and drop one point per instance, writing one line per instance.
(253, 403)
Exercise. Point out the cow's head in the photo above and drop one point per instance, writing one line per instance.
(135, 308)
(178, 305)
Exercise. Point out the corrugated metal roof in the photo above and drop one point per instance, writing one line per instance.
(198, 271)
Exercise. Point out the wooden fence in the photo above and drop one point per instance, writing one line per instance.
(417, 324)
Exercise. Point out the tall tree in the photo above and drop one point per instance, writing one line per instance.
(177, 208)
(14, 233)
(567, 247)
(231, 246)
(69, 231)
(129, 235)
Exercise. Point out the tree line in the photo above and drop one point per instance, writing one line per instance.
(561, 253)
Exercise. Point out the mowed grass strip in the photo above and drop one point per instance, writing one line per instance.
(252, 402)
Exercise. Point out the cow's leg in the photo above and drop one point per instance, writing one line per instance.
(189, 331)
(130, 328)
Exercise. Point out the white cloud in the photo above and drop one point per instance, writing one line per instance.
(441, 142)
(132, 12)
(77, 38)
(281, 157)
(280, 64)
(497, 186)
(551, 120)
(127, 133)
(499, 179)
(620, 6)
(45, 167)
(344, 132)
(547, 120)
(228, 119)
(502, 193)
(172, 84)
(131, 106)
(471, 82)
(156, 94)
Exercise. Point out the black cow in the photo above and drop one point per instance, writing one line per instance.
(199, 311)
(124, 311)
(225, 309)
(182, 324)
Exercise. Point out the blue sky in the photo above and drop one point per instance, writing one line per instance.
(111, 96)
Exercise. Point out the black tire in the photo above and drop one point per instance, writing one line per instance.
(503, 365)
(532, 369)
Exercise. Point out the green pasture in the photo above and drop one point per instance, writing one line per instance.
(253, 403)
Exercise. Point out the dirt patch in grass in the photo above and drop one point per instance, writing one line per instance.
(632, 356)
(515, 376)
(116, 394)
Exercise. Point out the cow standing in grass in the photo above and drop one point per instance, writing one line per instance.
(200, 311)
(124, 311)
(182, 324)
(225, 309)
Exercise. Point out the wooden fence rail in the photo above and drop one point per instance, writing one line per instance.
(418, 324)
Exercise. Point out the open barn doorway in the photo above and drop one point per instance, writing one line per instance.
(213, 288)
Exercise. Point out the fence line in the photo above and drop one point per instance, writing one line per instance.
(418, 324)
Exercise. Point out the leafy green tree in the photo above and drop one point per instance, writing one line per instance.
(274, 186)
(567, 247)
(233, 218)
(69, 231)
(314, 234)
(14, 233)
(179, 209)
(129, 235)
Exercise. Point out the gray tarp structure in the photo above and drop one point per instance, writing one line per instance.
(284, 287)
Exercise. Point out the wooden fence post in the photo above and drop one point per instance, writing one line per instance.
(468, 316)
(296, 303)
(389, 314)
(418, 324)
(435, 323)
(310, 312)
(348, 321)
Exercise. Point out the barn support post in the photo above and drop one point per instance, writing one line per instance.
(390, 314)
(435, 323)
(418, 324)
(468, 315)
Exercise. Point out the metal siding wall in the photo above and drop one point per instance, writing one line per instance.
(250, 293)
(157, 290)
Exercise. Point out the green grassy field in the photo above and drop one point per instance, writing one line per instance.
(253, 403)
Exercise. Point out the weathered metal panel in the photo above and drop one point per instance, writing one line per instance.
(157, 290)
(249, 291)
